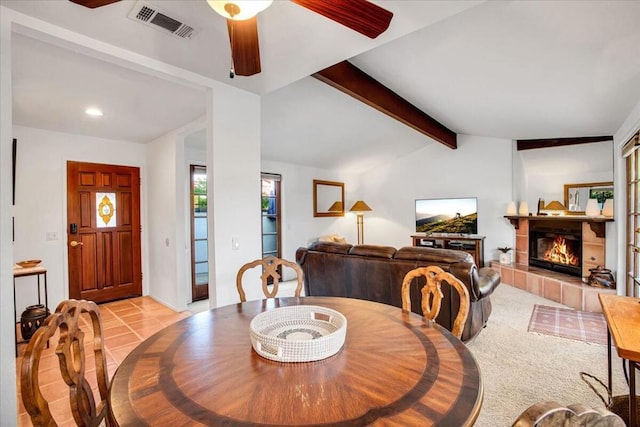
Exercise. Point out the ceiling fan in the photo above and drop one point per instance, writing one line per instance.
(359, 15)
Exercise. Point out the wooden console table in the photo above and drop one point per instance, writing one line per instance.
(25, 272)
(623, 319)
(471, 243)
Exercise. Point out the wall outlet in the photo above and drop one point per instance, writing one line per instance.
(52, 235)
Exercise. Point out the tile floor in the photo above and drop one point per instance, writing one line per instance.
(126, 324)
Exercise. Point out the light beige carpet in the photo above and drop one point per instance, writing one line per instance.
(520, 368)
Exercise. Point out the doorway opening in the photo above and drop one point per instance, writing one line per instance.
(199, 242)
(271, 218)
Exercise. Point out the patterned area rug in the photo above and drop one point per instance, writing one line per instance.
(567, 323)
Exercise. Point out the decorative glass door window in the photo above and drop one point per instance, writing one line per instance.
(631, 151)
(106, 210)
(199, 239)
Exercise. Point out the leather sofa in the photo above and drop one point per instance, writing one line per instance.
(375, 273)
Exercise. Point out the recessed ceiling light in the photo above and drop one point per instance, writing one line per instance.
(94, 112)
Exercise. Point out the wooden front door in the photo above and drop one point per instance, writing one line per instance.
(103, 231)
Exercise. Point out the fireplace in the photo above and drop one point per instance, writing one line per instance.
(556, 246)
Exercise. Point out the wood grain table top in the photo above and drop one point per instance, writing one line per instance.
(395, 369)
(623, 320)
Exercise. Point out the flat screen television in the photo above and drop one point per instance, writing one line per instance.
(458, 215)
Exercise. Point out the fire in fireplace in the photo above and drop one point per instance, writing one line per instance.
(561, 252)
(556, 246)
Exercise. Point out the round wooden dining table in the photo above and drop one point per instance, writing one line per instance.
(395, 368)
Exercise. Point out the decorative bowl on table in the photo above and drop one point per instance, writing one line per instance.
(301, 333)
(29, 263)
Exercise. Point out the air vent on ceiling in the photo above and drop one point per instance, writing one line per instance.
(156, 18)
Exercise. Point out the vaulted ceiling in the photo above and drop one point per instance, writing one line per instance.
(516, 70)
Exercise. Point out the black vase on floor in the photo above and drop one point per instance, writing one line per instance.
(31, 319)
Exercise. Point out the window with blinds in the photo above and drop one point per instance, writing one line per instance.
(631, 153)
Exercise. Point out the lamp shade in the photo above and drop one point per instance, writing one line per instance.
(607, 209)
(360, 206)
(523, 209)
(511, 208)
(239, 10)
(555, 206)
(336, 207)
(592, 208)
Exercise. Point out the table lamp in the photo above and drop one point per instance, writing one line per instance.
(555, 207)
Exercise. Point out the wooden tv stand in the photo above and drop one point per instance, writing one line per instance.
(471, 243)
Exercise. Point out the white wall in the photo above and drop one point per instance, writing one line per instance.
(629, 127)
(41, 200)
(169, 215)
(8, 401)
(547, 170)
(480, 167)
(164, 245)
(233, 185)
(299, 226)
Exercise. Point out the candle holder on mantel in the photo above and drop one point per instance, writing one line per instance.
(607, 209)
(523, 209)
(592, 208)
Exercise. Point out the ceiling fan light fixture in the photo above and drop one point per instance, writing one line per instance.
(93, 112)
(239, 10)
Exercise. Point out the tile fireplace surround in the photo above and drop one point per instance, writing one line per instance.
(558, 287)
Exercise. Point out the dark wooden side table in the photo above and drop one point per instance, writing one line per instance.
(623, 325)
(471, 243)
(26, 272)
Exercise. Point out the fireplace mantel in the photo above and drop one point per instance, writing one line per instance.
(595, 222)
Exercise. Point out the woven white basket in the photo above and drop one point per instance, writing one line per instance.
(301, 333)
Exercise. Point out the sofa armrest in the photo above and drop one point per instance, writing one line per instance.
(301, 253)
(488, 281)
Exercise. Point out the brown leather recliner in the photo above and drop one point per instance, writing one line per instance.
(375, 273)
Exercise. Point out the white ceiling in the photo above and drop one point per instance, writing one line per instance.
(522, 69)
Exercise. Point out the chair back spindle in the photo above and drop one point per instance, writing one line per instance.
(269, 267)
(72, 360)
(432, 294)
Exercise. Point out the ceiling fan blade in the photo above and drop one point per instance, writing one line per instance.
(245, 50)
(92, 4)
(359, 15)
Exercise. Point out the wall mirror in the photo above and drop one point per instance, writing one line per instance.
(328, 198)
(577, 195)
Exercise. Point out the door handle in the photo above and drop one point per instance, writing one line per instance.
(75, 243)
